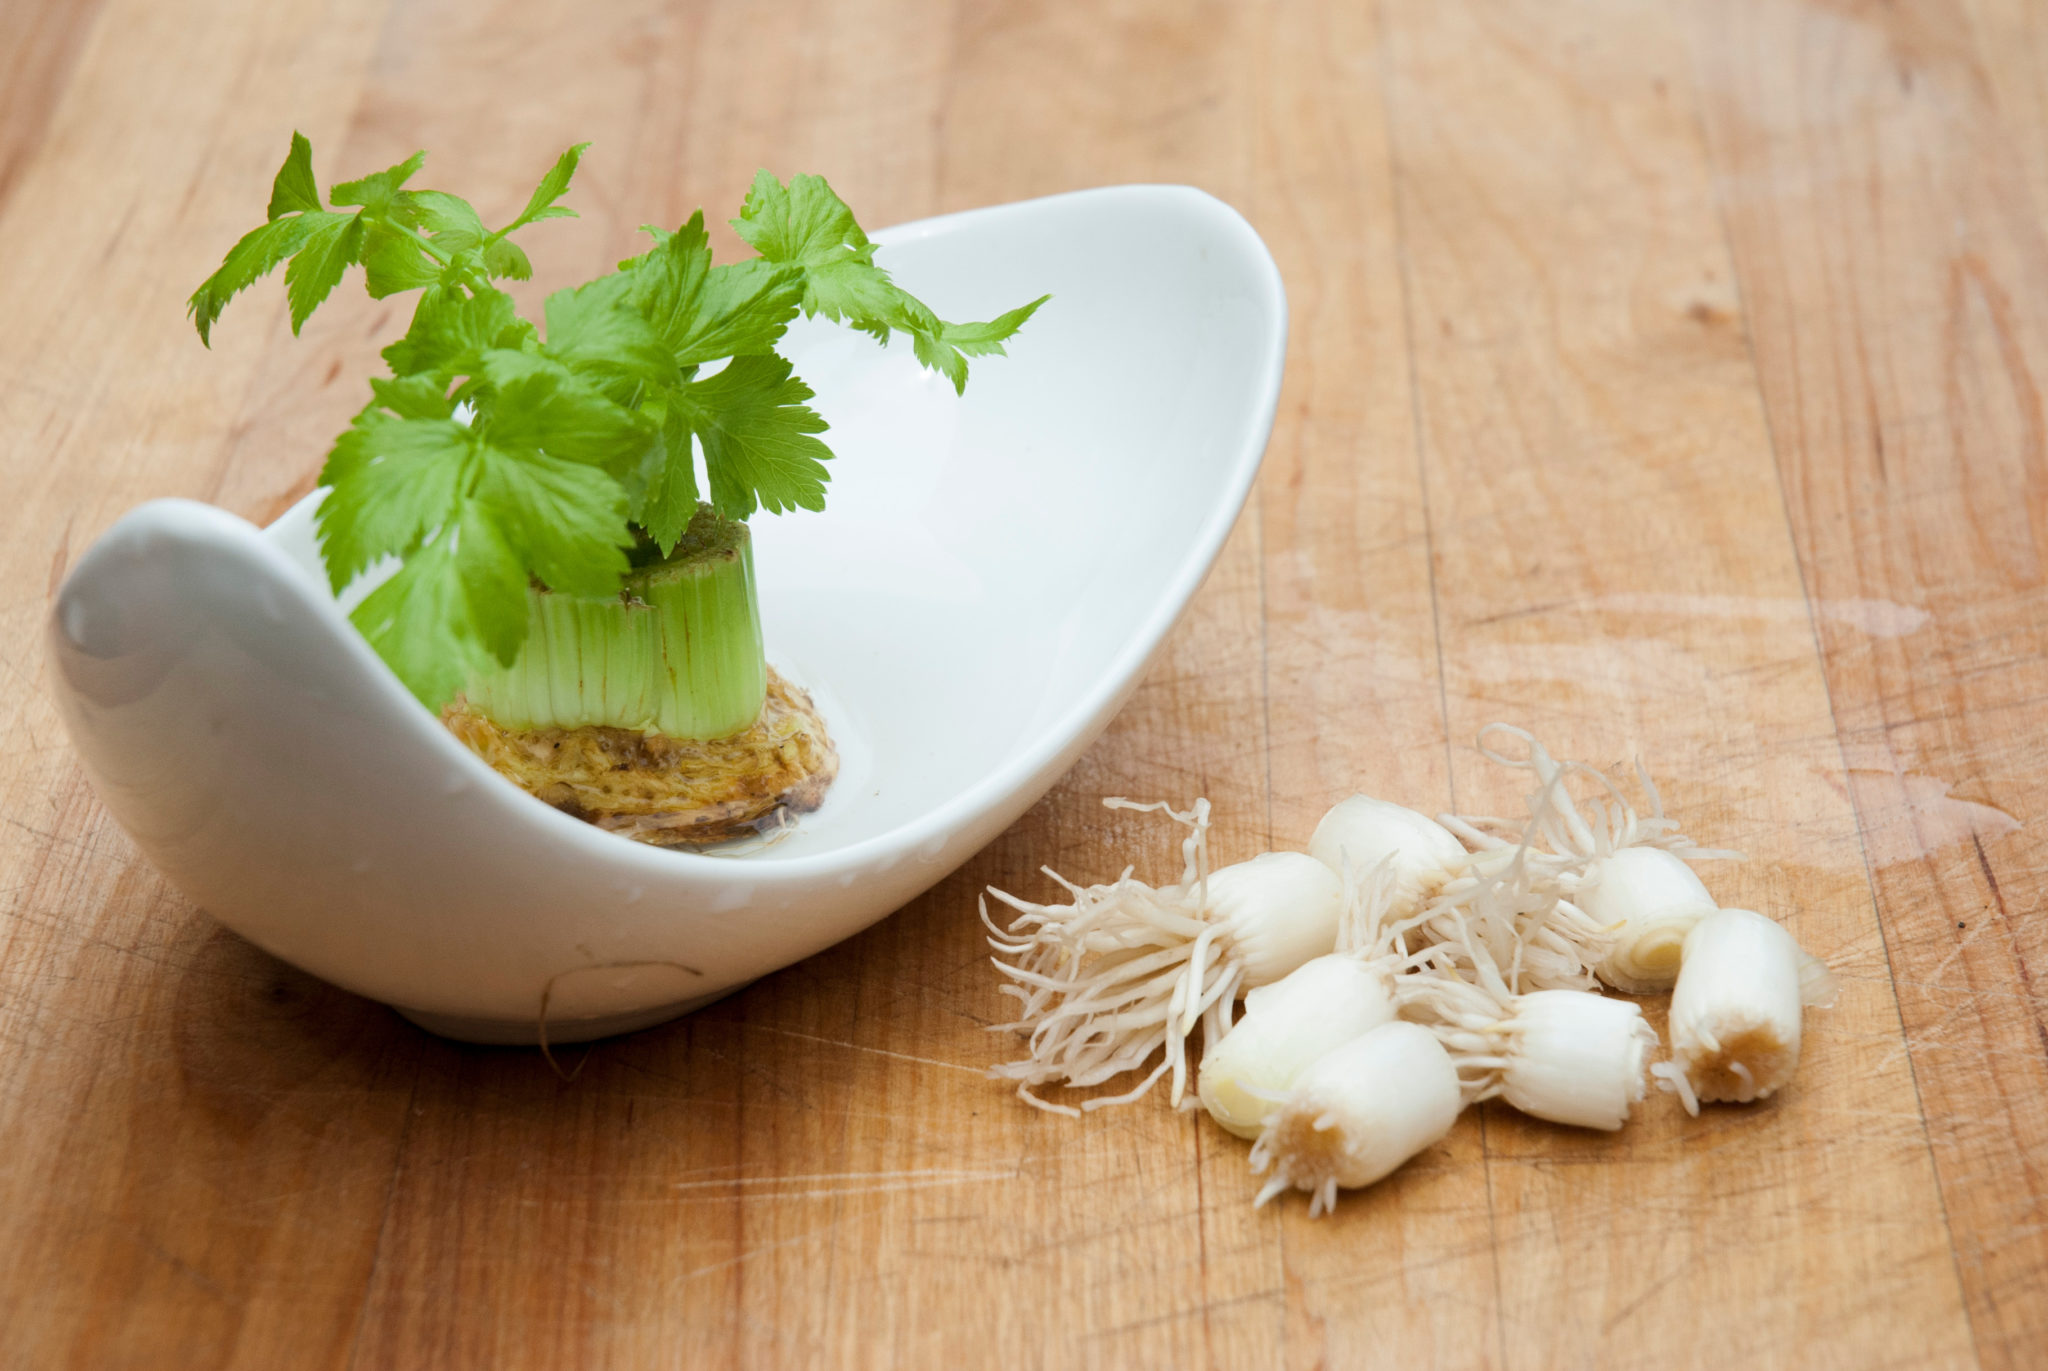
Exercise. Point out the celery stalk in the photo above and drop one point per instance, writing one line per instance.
(678, 652)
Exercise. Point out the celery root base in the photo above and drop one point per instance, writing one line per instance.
(671, 792)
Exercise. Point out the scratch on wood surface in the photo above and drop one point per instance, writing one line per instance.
(62, 557)
(1934, 988)
(1200, 1311)
(859, 1047)
(1970, 935)
(2005, 918)
(84, 845)
(185, 1270)
(835, 1184)
(1643, 1296)
(749, 1254)
(1875, 618)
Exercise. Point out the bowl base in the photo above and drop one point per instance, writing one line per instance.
(526, 1032)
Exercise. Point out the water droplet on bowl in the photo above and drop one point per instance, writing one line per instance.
(76, 620)
(732, 897)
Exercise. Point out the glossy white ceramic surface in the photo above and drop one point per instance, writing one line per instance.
(992, 577)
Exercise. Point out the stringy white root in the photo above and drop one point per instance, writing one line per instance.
(1508, 914)
(1357, 1113)
(1510, 908)
(1562, 854)
(1127, 970)
(1735, 1015)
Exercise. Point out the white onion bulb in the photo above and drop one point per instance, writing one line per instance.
(1652, 898)
(1359, 1112)
(1287, 1026)
(1360, 833)
(1576, 1058)
(1280, 910)
(1735, 1014)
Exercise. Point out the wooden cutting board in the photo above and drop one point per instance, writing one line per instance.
(1664, 378)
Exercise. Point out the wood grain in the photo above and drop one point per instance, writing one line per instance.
(1618, 577)
(1664, 378)
(1921, 478)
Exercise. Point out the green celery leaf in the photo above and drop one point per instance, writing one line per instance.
(542, 406)
(746, 308)
(459, 240)
(981, 340)
(253, 257)
(666, 281)
(803, 223)
(330, 249)
(757, 432)
(905, 311)
(568, 520)
(450, 329)
(413, 397)
(947, 361)
(947, 348)
(421, 624)
(294, 191)
(669, 501)
(391, 482)
(806, 226)
(394, 260)
(553, 186)
(474, 521)
(703, 313)
(494, 581)
(594, 330)
(858, 293)
(376, 191)
(449, 217)
(505, 258)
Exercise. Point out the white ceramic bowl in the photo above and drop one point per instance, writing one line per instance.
(988, 585)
